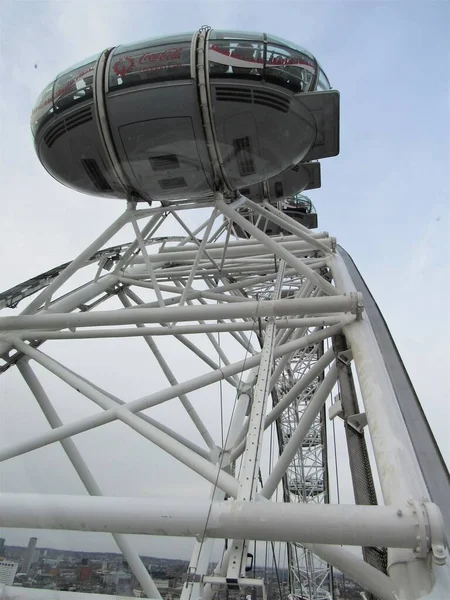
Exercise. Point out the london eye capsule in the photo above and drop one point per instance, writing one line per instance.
(186, 115)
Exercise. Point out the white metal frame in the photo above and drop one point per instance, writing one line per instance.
(200, 288)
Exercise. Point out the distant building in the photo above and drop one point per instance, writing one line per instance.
(29, 556)
(2, 546)
(84, 573)
(8, 571)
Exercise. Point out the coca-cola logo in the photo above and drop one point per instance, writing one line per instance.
(123, 66)
(164, 56)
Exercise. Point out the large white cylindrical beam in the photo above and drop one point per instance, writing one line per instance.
(399, 472)
(272, 521)
(133, 316)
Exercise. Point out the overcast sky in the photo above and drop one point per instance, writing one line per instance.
(385, 198)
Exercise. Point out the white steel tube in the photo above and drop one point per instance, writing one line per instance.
(73, 454)
(278, 249)
(319, 235)
(400, 475)
(146, 258)
(170, 432)
(192, 295)
(352, 525)
(192, 413)
(191, 459)
(156, 398)
(197, 258)
(281, 324)
(250, 309)
(71, 301)
(185, 341)
(80, 261)
(193, 238)
(147, 230)
(288, 398)
(312, 410)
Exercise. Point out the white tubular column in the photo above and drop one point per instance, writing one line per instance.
(400, 476)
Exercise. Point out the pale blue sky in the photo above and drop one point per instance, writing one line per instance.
(386, 197)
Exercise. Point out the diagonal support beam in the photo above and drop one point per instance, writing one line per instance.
(192, 413)
(278, 249)
(84, 473)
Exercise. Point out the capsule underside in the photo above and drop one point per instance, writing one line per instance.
(184, 116)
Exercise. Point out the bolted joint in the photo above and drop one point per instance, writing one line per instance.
(436, 525)
(357, 303)
(429, 530)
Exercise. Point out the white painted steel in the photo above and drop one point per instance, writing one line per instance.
(251, 309)
(312, 523)
(87, 478)
(306, 421)
(280, 323)
(217, 285)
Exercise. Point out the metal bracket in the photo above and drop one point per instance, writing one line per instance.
(422, 537)
(357, 304)
(335, 409)
(436, 527)
(357, 422)
(345, 357)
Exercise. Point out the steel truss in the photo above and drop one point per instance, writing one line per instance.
(218, 296)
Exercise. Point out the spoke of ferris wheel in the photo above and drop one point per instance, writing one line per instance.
(84, 473)
(192, 413)
(145, 402)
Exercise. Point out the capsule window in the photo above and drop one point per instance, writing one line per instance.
(150, 64)
(236, 58)
(75, 86)
(289, 68)
(43, 109)
(323, 83)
